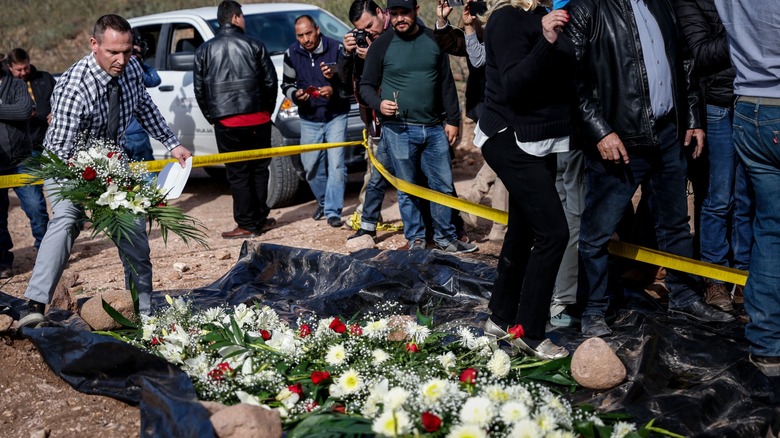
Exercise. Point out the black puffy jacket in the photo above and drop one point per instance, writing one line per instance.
(706, 38)
(611, 78)
(15, 111)
(234, 75)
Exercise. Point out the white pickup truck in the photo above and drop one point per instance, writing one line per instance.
(173, 37)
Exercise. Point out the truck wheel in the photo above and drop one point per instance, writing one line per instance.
(282, 179)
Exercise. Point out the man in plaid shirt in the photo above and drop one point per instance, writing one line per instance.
(80, 102)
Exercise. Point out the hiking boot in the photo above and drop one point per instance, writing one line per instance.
(361, 232)
(318, 214)
(32, 316)
(739, 294)
(6, 271)
(716, 295)
(460, 247)
(416, 245)
(594, 326)
(335, 222)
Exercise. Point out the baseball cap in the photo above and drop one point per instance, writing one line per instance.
(406, 4)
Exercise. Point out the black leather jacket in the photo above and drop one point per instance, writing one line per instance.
(611, 77)
(233, 75)
(706, 38)
(15, 111)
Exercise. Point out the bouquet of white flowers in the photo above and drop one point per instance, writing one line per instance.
(112, 191)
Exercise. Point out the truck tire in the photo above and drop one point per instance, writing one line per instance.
(282, 179)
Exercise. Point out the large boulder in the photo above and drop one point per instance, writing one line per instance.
(245, 420)
(92, 312)
(594, 365)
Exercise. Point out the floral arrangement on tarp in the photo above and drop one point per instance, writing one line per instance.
(386, 374)
(114, 194)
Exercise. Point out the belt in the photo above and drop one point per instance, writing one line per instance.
(664, 120)
(771, 101)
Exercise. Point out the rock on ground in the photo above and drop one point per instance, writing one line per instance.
(244, 420)
(92, 312)
(5, 323)
(363, 242)
(594, 365)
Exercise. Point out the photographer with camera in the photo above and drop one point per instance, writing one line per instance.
(137, 144)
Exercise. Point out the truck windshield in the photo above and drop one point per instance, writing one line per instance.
(277, 29)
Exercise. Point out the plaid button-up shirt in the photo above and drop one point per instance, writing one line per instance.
(80, 103)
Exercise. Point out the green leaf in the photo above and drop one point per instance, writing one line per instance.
(331, 426)
(118, 317)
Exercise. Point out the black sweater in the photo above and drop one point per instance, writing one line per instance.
(529, 82)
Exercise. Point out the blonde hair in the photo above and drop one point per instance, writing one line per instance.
(494, 5)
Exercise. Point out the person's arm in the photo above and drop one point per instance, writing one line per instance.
(17, 106)
(151, 78)
(372, 76)
(709, 50)
(448, 92)
(452, 40)
(475, 49)
(67, 109)
(289, 79)
(269, 80)
(199, 72)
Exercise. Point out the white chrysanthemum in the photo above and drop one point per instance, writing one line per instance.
(546, 420)
(379, 356)
(526, 429)
(433, 390)
(521, 394)
(335, 389)
(621, 429)
(214, 314)
(558, 433)
(513, 412)
(375, 398)
(350, 382)
(484, 345)
(392, 423)
(496, 393)
(113, 197)
(467, 431)
(499, 364)
(448, 360)
(336, 355)
(466, 337)
(556, 406)
(477, 410)
(323, 328)
(418, 333)
(376, 329)
(395, 398)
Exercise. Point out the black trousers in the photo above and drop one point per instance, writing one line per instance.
(536, 237)
(248, 180)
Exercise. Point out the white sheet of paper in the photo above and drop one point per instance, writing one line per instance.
(173, 178)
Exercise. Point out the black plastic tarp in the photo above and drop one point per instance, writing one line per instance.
(693, 379)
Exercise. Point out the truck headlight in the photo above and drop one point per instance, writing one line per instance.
(288, 109)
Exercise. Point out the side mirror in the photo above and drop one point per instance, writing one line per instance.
(184, 61)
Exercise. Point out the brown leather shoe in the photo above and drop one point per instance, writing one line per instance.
(718, 296)
(238, 233)
(739, 294)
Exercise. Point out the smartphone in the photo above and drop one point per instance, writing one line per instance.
(454, 3)
(477, 8)
(330, 63)
(311, 91)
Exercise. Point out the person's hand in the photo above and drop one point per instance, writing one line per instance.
(388, 108)
(326, 91)
(611, 148)
(698, 134)
(443, 10)
(452, 133)
(181, 153)
(326, 70)
(553, 23)
(48, 118)
(301, 95)
(362, 51)
(350, 44)
(467, 18)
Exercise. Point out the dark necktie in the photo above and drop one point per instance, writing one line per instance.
(113, 108)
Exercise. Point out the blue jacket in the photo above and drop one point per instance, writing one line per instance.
(302, 69)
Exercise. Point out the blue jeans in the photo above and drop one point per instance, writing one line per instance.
(138, 146)
(376, 188)
(34, 206)
(756, 135)
(729, 202)
(413, 147)
(608, 190)
(326, 172)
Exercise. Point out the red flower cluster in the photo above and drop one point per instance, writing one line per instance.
(318, 377)
(304, 330)
(430, 422)
(310, 405)
(89, 174)
(337, 326)
(265, 334)
(469, 376)
(356, 329)
(297, 388)
(516, 331)
(412, 347)
(220, 371)
(156, 341)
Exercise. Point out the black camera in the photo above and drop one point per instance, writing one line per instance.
(141, 43)
(361, 37)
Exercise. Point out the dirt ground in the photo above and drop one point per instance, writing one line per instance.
(34, 402)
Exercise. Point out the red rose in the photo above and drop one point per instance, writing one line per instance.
(108, 180)
(265, 334)
(338, 408)
(304, 330)
(219, 372)
(516, 331)
(337, 326)
(297, 388)
(156, 341)
(430, 422)
(89, 174)
(318, 377)
(469, 376)
(111, 154)
(224, 366)
(412, 347)
(162, 204)
(356, 329)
